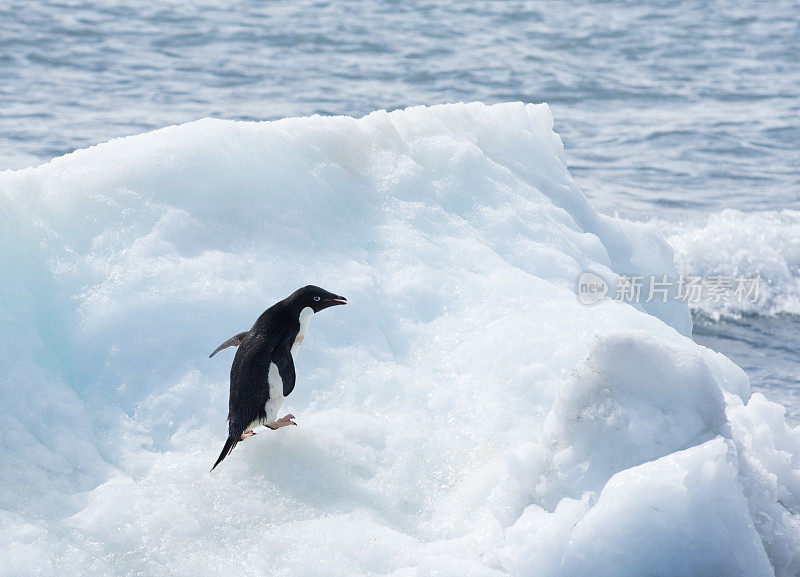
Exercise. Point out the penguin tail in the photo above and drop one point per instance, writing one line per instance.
(226, 450)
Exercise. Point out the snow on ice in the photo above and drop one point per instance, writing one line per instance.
(463, 415)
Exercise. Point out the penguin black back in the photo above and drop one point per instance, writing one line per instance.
(262, 373)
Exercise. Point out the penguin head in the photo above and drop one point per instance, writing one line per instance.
(316, 298)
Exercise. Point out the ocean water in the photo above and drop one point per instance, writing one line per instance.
(670, 112)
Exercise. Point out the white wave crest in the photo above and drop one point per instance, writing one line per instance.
(735, 244)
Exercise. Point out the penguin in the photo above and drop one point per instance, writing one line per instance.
(262, 374)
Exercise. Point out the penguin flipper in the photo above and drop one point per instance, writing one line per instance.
(226, 450)
(231, 342)
(282, 357)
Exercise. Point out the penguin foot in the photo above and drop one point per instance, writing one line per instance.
(247, 434)
(282, 422)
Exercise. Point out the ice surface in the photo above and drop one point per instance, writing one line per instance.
(464, 414)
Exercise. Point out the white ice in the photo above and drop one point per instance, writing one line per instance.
(464, 414)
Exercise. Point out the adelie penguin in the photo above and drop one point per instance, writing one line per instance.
(262, 374)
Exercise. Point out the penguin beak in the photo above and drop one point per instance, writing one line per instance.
(337, 300)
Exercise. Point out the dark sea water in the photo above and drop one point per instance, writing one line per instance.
(766, 348)
(670, 112)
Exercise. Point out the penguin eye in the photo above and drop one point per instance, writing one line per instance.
(316, 299)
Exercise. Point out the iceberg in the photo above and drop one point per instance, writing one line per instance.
(465, 414)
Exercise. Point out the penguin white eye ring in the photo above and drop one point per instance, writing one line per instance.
(262, 374)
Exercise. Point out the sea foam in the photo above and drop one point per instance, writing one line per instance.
(733, 244)
(464, 414)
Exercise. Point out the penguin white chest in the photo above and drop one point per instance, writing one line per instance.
(276, 397)
(305, 318)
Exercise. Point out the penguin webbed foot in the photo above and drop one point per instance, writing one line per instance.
(247, 434)
(282, 422)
